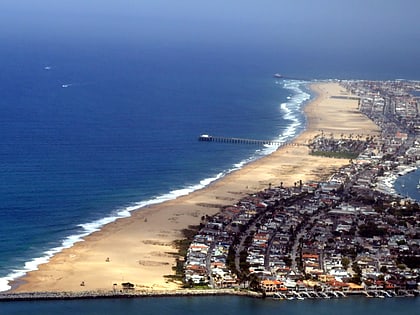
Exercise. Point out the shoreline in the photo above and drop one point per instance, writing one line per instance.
(140, 247)
(302, 96)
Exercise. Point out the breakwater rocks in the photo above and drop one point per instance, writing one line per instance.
(30, 296)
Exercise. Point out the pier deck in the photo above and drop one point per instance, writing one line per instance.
(208, 138)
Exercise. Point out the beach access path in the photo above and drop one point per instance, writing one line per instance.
(140, 250)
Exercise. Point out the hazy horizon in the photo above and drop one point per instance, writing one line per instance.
(304, 31)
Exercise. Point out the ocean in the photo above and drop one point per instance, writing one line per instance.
(86, 141)
(99, 118)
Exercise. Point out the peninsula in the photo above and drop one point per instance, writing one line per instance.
(140, 253)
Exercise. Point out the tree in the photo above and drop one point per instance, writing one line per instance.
(370, 229)
(345, 261)
(356, 268)
(254, 282)
(357, 278)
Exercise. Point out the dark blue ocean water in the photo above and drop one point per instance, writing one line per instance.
(86, 138)
(217, 305)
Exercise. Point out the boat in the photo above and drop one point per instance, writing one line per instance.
(324, 295)
(277, 75)
(279, 296)
(406, 169)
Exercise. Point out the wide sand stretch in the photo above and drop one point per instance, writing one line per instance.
(140, 248)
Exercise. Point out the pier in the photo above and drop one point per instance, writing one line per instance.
(208, 138)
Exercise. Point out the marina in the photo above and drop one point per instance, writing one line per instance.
(331, 294)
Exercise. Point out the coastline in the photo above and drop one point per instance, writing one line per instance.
(140, 248)
(84, 295)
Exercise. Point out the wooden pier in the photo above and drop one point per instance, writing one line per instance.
(208, 138)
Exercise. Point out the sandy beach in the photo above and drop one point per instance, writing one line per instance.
(141, 249)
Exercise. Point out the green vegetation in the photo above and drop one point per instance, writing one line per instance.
(370, 229)
(345, 262)
(407, 211)
(357, 278)
(230, 260)
(409, 261)
(336, 155)
(182, 246)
